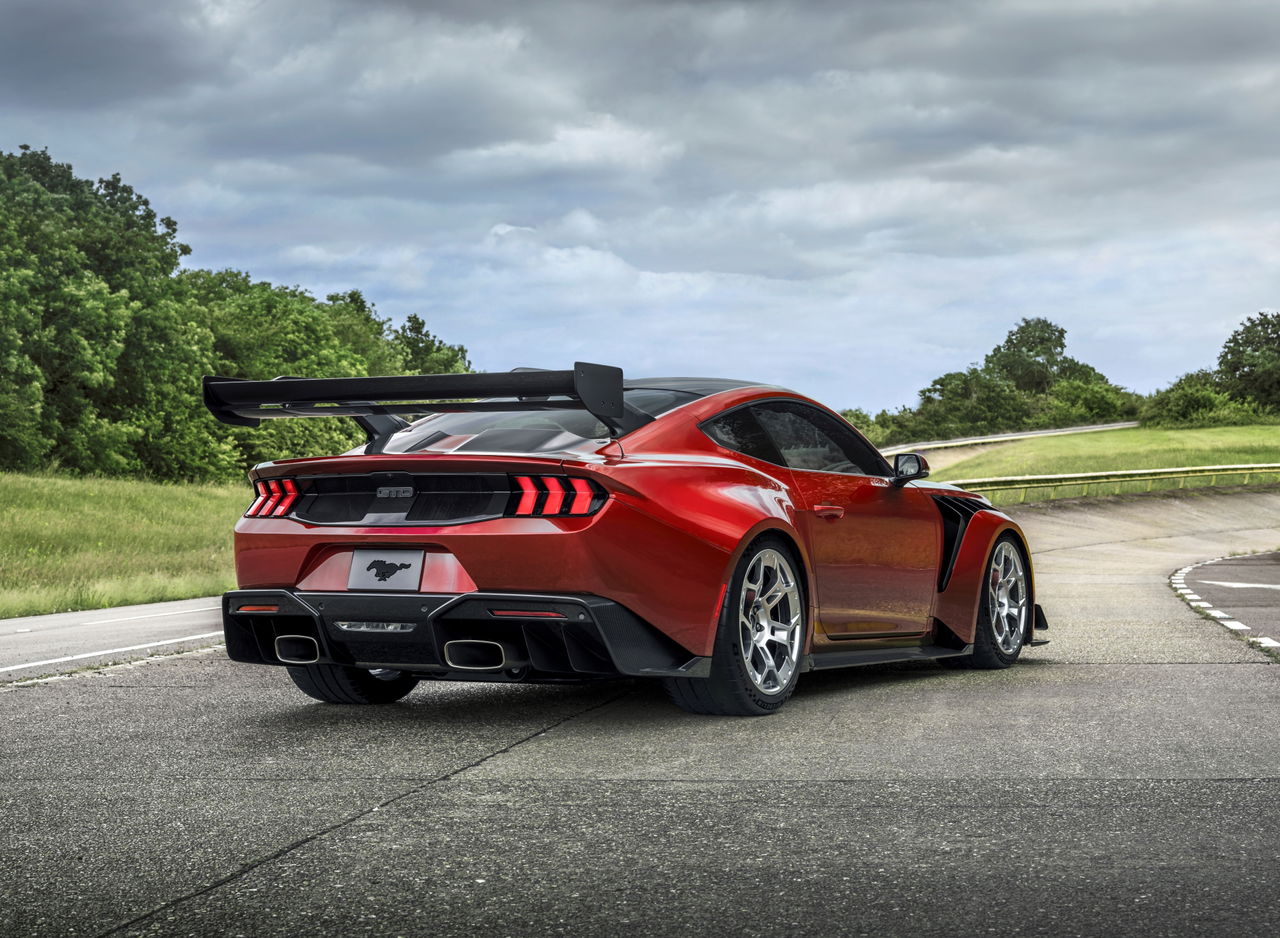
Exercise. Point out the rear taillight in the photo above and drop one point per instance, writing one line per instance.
(274, 498)
(554, 496)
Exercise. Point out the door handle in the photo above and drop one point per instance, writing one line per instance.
(830, 512)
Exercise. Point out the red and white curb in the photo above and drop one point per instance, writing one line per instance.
(1178, 580)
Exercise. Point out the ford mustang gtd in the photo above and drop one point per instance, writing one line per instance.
(721, 536)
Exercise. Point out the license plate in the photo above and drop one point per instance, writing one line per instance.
(385, 570)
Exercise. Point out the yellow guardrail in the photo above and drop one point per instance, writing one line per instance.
(1001, 490)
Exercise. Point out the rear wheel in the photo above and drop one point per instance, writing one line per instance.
(337, 684)
(1004, 610)
(756, 660)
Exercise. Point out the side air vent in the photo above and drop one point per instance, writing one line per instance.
(956, 513)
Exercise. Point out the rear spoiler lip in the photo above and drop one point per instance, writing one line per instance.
(377, 402)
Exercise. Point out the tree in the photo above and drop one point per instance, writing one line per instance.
(424, 354)
(103, 339)
(1249, 365)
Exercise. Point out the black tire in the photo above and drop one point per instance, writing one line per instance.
(731, 689)
(341, 685)
(993, 648)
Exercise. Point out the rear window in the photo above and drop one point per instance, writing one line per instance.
(521, 431)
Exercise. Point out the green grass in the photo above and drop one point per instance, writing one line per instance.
(1112, 450)
(1137, 448)
(71, 543)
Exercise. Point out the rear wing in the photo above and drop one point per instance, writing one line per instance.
(377, 403)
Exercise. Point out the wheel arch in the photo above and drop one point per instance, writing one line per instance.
(957, 605)
(791, 539)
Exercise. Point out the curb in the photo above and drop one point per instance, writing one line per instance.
(1178, 581)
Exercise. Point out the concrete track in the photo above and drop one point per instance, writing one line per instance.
(1122, 780)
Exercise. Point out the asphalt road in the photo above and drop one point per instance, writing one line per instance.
(1122, 780)
(1244, 590)
(39, 645)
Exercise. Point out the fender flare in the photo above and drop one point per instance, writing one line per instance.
(765, 527)
(957, 606)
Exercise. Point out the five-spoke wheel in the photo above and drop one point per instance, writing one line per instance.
(770, 621)
(760, 639)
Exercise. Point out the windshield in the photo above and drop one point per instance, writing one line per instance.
(521, 431)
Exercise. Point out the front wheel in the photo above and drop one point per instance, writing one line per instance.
(1004, 608)
(334, 683)
(759, 641)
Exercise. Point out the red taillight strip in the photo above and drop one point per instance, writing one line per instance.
(274, 487)
(261, 489)
(528, 495)
(555, 495)
(290, 496)
(581, 498)
(276, 498)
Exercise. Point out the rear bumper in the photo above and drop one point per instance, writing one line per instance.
(547, 637)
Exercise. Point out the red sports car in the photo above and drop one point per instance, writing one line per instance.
(722, 536)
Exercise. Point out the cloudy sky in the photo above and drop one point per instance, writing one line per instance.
(847, 198)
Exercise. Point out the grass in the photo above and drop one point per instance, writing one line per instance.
(73, 543)
(1111, 450)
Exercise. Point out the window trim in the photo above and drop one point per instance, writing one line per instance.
(702, 426)
(884, 463)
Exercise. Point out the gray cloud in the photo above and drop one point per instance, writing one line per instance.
(845, 198)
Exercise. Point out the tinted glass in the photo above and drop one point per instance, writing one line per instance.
(809, 438)
(521, 431)
(739, 431)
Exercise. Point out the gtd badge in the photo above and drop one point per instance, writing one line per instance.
(395, 491)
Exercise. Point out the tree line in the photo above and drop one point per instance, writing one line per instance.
(104, 336)
(1028, 382)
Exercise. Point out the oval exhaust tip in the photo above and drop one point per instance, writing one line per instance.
(297, 649)
(475, 654)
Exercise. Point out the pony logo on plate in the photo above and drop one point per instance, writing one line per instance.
(385, 570)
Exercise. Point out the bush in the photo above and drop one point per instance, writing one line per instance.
(1194, 404)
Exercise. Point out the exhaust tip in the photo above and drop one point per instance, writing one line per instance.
(297, 649)
(475, 654)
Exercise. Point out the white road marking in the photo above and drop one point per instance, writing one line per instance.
(153, 615)
(109, 651)
(20, 631)
(1217, 613)
(1189, 596)
(1200, 605)
(1235, 626)
(1264, 641)
(1243, 586)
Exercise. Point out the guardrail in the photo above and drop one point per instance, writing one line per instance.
(1004, 437)
(1122, 481)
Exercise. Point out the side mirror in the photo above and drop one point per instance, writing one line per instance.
(908, 466)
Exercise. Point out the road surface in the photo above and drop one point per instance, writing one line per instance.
(1120, 781)
(1242, 591)
(39, 645)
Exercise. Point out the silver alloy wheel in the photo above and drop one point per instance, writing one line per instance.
(770, 621)
(1007, 597)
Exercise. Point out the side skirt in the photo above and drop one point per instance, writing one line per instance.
(851, 659)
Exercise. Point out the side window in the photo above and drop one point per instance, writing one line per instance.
(739, 431)
(808, 438)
